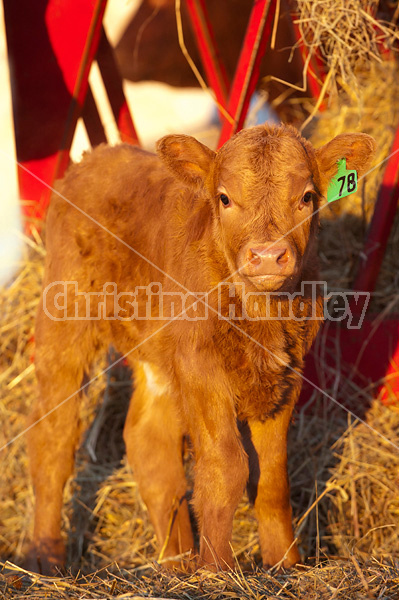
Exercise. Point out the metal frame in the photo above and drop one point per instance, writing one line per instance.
(66, 37)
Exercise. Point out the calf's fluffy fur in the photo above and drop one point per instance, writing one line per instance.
(187, 219)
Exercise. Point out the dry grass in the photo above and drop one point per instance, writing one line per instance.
(340, 580)
(365, 512)
(349, 36)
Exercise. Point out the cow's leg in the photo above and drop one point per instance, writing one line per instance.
(221, 470)
(220, 478)
(54, 433)
(268, 488)
(154, 443)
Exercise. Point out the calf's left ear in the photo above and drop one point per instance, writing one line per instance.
(189, 160)
(357, 148)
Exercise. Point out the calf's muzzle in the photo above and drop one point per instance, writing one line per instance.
(269, 259)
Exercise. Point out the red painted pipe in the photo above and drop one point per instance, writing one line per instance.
(46, 41)
(114, 87)
(380, 226)
(247, 72)
(210, 55)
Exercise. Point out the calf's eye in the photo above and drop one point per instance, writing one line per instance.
(225, 200)
(306, 199)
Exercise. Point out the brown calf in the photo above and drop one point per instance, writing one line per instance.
(187, 219)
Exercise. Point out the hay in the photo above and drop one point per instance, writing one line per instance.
(341, 244)
(349, 35)
(337, 580)
(364, 515)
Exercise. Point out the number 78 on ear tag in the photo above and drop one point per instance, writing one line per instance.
(343, 183)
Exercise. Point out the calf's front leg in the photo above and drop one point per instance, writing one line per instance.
(269, 488)
(221, 470)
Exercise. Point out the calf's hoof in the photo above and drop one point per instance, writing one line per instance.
(186, 564)
(281, 560)
(216, 562)
(46, 558)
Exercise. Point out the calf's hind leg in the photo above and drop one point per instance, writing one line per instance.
(54, 433)
(154, 443)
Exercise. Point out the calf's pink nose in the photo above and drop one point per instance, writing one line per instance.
(269, 259)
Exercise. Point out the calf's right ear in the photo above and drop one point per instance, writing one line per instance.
(189, 160)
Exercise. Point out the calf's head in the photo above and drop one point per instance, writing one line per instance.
(264, 187)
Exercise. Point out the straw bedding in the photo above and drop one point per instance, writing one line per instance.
(344, 475)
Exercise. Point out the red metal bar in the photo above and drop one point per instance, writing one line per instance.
(210, 55)
(366, 359)
(80, 84)
(381, 224)
(46, 41)
(113, 84)
(247, 72)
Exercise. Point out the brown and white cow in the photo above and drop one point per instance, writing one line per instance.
(226, 229)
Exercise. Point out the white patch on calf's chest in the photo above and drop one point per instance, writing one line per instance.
(155, 383)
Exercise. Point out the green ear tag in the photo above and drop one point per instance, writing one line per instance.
(343, 184)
